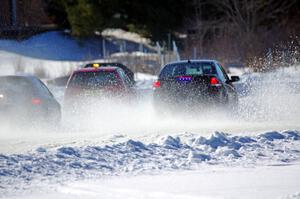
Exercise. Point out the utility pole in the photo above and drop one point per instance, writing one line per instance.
(103, 48)
(160, 55)
(13, 12)
(175, 51)
(199, 25)
(195, 53)
(270, 58)
(169, 41)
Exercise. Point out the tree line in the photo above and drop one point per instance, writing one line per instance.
(238, 30)
(150, 18)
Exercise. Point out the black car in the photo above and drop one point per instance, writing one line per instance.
(25, 98)
(127, 71)
(194, 84)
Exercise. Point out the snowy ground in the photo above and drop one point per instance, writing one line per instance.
(207, 183)
(219, 166)
(130, 152)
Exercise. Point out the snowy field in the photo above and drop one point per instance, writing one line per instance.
(183, 166)
(207, 183)
(131, 152)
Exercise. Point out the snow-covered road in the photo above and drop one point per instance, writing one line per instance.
(221, 166)
(207, 183)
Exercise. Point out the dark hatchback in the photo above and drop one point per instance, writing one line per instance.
(25, 98)
(193, 84)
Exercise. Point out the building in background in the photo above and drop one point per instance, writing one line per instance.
(19, 17)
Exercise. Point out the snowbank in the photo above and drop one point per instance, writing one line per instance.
(208, 183)
(59, 46)
(12, 63)
(168, 153)
(124, 35)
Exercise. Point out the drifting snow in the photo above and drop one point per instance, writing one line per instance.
(167, 153)
(272, 96)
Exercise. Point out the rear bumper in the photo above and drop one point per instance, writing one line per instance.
(191, 102)
(17, 113)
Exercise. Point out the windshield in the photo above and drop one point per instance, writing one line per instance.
(193, 69)
(94, 79)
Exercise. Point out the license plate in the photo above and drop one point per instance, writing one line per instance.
(184, 79)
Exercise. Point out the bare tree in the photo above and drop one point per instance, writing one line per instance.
(249, 22)
(200, 29)
(247, 15)
(236, 30)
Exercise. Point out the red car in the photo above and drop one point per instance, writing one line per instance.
(97, 83)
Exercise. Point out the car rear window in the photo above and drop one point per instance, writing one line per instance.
(94, 79)
(16, 85)
(201, 68)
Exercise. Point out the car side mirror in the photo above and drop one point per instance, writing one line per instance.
(234, 78)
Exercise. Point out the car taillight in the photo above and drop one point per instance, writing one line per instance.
(214, 81)
(36, 101)
(156, 84)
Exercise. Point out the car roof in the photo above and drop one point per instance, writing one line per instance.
(31, 79)
(192, 61)
(105, 64)
(26, 76)
(92, 69)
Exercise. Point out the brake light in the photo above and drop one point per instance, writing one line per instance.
(36, 101)
(156, 84)
(214, 81)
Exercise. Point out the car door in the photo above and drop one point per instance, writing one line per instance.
(51, 105)
(230, 89)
